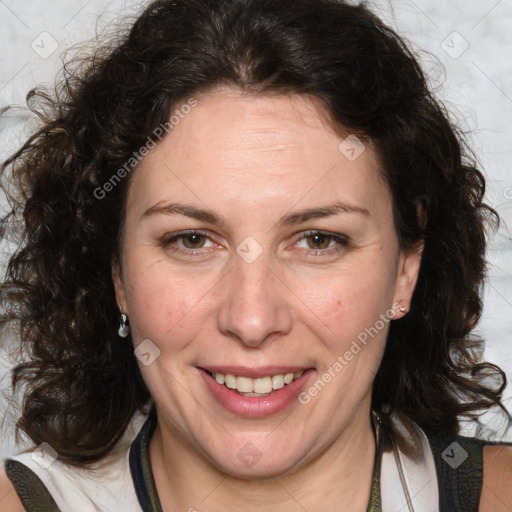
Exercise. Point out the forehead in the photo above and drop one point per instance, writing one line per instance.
(254, 150)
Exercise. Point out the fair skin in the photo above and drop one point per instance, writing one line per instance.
(252, 160)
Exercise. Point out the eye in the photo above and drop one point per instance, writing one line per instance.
(321, 242)
(318, 241)
(193, 240)
(188, 242)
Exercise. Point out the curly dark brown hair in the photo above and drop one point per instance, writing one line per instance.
(81, 382)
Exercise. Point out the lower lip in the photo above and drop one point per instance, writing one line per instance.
(256, 406)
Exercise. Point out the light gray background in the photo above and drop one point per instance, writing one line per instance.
(465, 45)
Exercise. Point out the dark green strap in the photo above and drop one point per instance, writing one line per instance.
(383, 443)
(459, 467)
(31, 491)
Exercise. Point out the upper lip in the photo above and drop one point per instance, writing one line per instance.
(252, 372)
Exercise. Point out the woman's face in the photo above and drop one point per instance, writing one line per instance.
(256, 246)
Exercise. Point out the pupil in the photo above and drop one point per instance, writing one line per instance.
(319, 240)
(193, 240)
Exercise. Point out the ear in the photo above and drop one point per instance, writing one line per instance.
(117, 279)
(407, 277)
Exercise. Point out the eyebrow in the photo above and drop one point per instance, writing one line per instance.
(206, 215)
(185, 210)
(322, 211)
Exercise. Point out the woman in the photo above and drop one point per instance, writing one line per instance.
(252, 220)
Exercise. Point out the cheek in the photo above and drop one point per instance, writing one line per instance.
(350, 299)
(162, 306)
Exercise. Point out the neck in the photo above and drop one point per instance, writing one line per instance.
(339, 478)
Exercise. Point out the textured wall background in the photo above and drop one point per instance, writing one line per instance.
(465, 46)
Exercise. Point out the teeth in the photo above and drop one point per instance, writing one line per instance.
(288, 378)
(230, 381)
(278, 381)
(244, 385)
(256, 387)
(262, 385)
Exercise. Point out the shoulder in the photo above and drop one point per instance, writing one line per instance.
(9, 499)
(497, 484)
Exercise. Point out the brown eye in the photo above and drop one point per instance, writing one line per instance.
(318, 241)
(193, 240)
(189, 243)
(322, 243)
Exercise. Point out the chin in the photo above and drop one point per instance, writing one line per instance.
(258, 469)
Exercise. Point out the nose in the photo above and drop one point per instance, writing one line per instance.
(253, 307)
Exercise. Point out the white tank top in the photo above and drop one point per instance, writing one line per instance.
(107, 487)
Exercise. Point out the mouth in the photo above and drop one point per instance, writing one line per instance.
(263, 386)
(256, 392)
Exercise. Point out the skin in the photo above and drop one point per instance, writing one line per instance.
(497, 489)
(252, 160)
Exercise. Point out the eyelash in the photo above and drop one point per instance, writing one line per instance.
(168, 242)
(342, 242)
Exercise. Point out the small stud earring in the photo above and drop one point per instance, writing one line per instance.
(124, 329)
(403, 309)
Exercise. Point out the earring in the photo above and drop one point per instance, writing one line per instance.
(403, 309)
(124, 329)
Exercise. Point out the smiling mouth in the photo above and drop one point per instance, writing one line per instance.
(262, 386)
